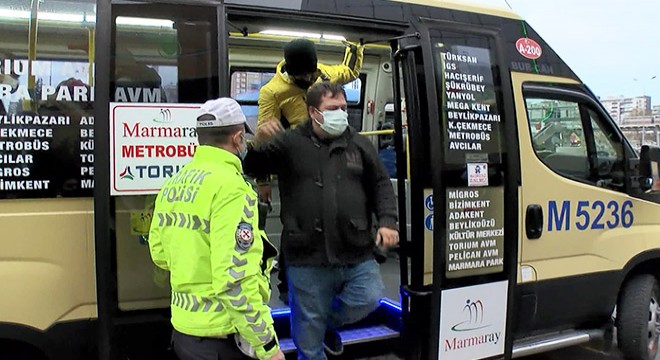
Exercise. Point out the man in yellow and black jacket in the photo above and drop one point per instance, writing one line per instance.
(283, 99)
(205, 233)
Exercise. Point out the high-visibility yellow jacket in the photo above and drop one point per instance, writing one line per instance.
(280, 97)
(205, 232)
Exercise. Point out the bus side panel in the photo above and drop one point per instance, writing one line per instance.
(589, 234)
(46, 266)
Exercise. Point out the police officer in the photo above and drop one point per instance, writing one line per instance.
(205, 232)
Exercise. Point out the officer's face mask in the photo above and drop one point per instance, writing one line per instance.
(242, 148)
(334, 122)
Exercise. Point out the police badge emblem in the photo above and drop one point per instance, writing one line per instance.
(244, 235)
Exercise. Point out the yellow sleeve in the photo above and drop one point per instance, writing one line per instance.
(350, 68)
(269, 108)
(236, 257)
(158, 253)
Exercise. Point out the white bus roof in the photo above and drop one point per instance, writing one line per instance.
(466, 6)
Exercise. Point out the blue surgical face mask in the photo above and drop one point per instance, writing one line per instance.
(242, 153)
(334, 123)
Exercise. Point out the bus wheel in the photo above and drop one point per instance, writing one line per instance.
(638, 318)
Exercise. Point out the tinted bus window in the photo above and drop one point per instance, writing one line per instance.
(469, 87)
(46, 99)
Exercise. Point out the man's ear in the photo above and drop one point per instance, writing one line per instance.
(236, 138)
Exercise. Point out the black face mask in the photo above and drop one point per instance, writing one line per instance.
(303, 84)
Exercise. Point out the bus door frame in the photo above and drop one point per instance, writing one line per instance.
(415, 297)
(109, 315)
(511, 180)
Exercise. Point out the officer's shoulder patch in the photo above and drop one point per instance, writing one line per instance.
(244, 235)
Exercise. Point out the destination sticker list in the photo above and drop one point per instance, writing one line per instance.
(475, 231)
(46, 155)
(472, 117)
(87, 153)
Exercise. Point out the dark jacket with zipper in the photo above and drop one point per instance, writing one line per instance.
(329, 191)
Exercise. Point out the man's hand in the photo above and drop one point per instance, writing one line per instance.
(279, 355)
(267, 130)
(265, 192)
(387, 237)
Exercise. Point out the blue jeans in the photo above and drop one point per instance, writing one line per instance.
(323, 297)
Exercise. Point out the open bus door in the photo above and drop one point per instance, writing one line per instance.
(476, 232)
(379, 333)
(463, 272)
(147, 53)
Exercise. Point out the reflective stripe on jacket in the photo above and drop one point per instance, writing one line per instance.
(205, 232)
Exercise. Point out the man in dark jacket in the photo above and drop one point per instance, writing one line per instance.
(331, 182)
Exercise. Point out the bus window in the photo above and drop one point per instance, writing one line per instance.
(386, 149)
(558, 136)
(610, 162)
(161, 56)
(48, 76)
(245, 86)
(472, 104)
(575, 141)
(354, 93)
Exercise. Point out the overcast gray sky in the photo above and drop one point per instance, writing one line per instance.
(608, 43)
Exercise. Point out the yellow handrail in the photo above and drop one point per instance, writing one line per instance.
(377, 132)
(91, 50)
(28, 104)
(390, 132)
(407, 158)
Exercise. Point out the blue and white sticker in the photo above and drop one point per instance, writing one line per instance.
(244, 235)
(428, 222)
(428, 202)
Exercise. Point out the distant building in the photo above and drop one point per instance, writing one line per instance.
(621, 107)
(641, 130)
(248, 83)
(640, 120)
(655, 110)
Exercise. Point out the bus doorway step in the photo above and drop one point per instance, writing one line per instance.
(354, 336)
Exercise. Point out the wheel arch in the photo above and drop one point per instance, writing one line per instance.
(71, 340)
(647, 262)
(25, 337)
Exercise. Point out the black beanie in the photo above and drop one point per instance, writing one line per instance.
(300, 57)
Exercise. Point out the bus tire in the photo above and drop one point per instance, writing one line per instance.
(638, 318)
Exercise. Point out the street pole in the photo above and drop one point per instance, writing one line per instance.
(643, 134)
